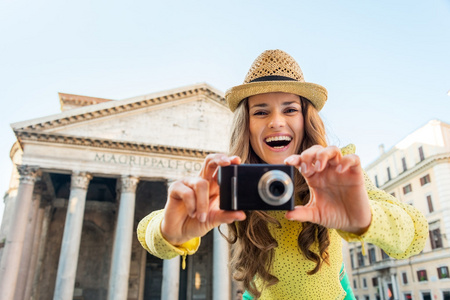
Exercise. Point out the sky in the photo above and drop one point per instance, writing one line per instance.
(385, 64)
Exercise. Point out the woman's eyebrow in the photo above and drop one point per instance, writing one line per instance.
(265, 104)
(259, 105)
(290, 102)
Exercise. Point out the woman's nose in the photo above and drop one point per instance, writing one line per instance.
(277, 121)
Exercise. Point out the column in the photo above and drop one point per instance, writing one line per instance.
(43, 233)
(170, 287)
(381, 288)
(9, 267)
(395, 286)
(28, 243)
(120, 265)
(70, 246)
(171, 278)
(221, 274)
(35, 252)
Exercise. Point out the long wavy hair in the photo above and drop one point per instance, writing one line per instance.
(253, 245)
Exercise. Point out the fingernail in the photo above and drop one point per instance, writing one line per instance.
(202, 217)
(339, 169)
(317, 165)
(303, 168)
(288, 160)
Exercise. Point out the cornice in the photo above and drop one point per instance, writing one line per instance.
(78, 100)
(33, 136)
(113, 107)
(425, 164)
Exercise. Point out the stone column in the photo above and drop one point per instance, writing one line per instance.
(120, 265)
(170, 287)
(28, 243)
(221, 274)
(35, 252)
(9, 267)
(170, 278)
(70, 247)
(43, 233)
(395, 290)
(381, 288)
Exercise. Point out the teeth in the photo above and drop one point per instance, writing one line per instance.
(278, 138)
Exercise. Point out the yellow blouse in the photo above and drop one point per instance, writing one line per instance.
(399, 229)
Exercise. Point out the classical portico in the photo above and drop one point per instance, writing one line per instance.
(84, 179)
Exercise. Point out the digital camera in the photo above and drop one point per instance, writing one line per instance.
(256, 187)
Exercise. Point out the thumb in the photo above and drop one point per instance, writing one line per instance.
(302, 214)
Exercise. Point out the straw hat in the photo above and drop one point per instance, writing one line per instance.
(276, 71)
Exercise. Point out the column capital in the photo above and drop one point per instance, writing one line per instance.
(28, 174)
(128, 183)
(80, 180)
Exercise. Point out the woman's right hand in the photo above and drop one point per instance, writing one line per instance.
(192, 207)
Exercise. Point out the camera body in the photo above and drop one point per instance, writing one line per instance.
(256, 187)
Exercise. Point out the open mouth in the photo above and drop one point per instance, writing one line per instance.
(278, 142)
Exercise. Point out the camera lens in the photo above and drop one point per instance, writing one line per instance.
(275, 187)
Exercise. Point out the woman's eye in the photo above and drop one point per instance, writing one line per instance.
(291, 110)
(259, 113)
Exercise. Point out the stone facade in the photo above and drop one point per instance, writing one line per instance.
(84, 179)
(416, 171)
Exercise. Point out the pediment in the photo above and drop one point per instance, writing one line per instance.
(194, 117)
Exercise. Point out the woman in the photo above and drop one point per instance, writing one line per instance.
(295, 254)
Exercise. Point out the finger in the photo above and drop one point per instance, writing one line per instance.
(235, 160)
(182, 191)
(329, 156)
(293, 160)
(228, 217)
(347, 162)
(308, 158)
(201, 188)
(302, 214)
(213, 161)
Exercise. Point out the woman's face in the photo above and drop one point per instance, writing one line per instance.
(276, 126)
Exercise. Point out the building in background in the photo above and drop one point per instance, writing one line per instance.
(85, 177)
(417, 172)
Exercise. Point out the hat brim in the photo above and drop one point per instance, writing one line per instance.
(315, 93)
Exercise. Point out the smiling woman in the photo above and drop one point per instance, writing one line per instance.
(294, 254)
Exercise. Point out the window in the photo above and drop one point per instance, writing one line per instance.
(372, 258)
(435, 238)
(404, 164)
(352, 260)
(446, 295)
(426, 296)
(422, 275)
(407, 296)
(404, 278)
(407, 189)
(393, 194)
(430, 204)
(384, 255)
(376, 181)
(360, 260)
(364, 283)
(421, 155)
(375, 281)
(388, 170)
(425, 179)
(443, 272)
(366, 298)
(355, 286)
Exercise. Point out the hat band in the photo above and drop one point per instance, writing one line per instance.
(273, 78)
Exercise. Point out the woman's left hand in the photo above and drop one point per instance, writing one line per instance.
(338, 196)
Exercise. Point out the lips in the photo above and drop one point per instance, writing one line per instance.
(278, 142)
